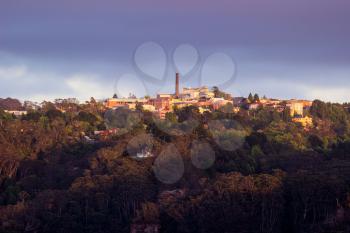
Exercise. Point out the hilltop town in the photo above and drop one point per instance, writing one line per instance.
(207, 99)
(204, 98)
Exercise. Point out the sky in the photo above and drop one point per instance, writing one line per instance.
(82, 48)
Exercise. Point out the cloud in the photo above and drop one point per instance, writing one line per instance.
(19, 81)
(329, 94)
(84, 86)
(285, 80)
(22, 82)
(12, 72)
(50, 79)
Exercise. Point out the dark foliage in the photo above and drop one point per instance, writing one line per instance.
(278, 178)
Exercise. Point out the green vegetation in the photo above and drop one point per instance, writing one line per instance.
(270, 174)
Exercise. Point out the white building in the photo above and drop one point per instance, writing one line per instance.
(296, 108)
(196, 93)
(16, 113)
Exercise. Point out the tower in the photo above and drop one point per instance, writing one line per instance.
(177, 80)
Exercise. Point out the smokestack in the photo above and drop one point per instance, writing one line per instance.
(177, 93)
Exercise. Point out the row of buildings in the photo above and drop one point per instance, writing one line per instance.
(202, 97)
(163, 103)
(297, 108)
(206, 100)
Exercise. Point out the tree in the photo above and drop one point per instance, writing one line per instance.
(88, 117)
(32, 116)
(227, 108)
(54, 113)
(286, 115)
(256, 151)
(256, 98)
(216, 91)
(170, 116)
(221, 94)
(250, 98)
(92, 100)
(286, 135)
(115, 96)
(10, 104)
(139, 107)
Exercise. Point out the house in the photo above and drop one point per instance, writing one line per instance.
(143, 154)
(149, 107)
(184, 103)
(253, 106)
(296, 108)
(219, 102)
(196, 93)
(304, 121)
(105, 133)
(16, 112)
(124, 102)
(161, 113)
(164, 95)
(238, 101)
(161, 102)
(202, 110)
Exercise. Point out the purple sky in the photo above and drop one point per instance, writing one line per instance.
(80, 48)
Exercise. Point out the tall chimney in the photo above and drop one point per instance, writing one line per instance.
(177, 93)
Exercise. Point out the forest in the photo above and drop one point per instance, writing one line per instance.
(249, 172)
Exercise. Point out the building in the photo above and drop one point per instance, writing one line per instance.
(219, 102)
(304, 121)
(202, 97)
(163, 95)
(149, 107)
(202, 110)
(161, 113)
(253, 106)
(161, 103)
(306, 103)
(296, 108)
(67, 101)
(124, 102)
(16, 112)
(143, 154)
(196, 93)
(238, 101)
(272, 103)
(183, 103)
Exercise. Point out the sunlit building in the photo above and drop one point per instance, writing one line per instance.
(124, 102)
(296, 108)
(196, 93)
(219, 102)
(304, 121)
(149, 107)
(16, 112)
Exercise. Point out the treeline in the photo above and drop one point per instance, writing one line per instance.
(269, 174)
(10, 104)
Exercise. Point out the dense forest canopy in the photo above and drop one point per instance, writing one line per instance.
(251, 171)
